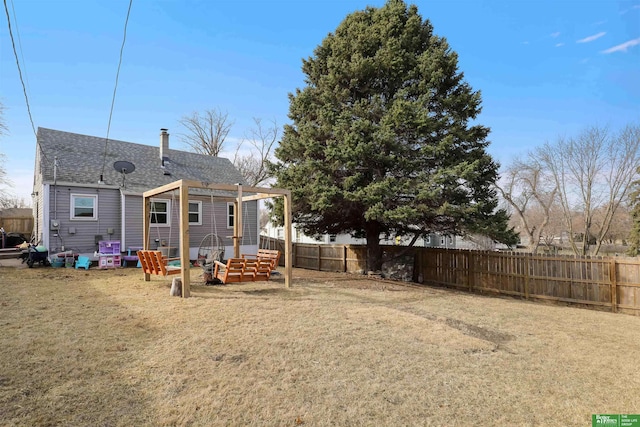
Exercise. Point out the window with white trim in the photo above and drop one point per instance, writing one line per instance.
(427, 240)
(195, 212)
(442, 240)
(332, 238)
(84, 207)
(160, 212)
(231, 215)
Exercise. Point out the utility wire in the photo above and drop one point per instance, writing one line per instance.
(15, 53)
(24, 64)
(24, 89)
(115, 88)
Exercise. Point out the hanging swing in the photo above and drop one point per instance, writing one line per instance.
(211, 248)
(247, 268)
(266, 259)
(154, 261)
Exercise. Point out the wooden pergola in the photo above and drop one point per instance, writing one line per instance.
(183, 186)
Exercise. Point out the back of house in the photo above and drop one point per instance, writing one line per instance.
(88, 189)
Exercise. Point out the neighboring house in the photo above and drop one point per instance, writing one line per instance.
(80, 198)
(433, 240)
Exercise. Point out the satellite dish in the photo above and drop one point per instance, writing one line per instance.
(123, 166)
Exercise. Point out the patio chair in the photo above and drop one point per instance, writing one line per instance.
(83, 261)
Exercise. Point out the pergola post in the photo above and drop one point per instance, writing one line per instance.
(237, 223)
(146, 228)
(288, 256)
(185, 262)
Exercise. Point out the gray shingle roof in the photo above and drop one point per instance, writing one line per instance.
(81, 159)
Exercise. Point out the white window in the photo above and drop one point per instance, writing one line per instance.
(280, 233)
(332, 238)
(427, 240)
(231, 215)
(442, 240)
(84, 207)
(195, 212)
(160, 212)
(451, 240)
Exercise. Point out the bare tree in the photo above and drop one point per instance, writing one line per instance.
(530, 192)
(264, 219)
(5, 197)
(11, 201)
(553, 235)
(620, 224)
(206, 132)
(634, 232)
(593, 173)
(5, 183)
(3, 127)
(480, 242)
(252, 163)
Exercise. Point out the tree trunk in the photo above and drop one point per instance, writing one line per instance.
(374, 250)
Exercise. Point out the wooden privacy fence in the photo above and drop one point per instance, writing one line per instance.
(592, 281)
(345, 258)
(22, 225)
(612, 282)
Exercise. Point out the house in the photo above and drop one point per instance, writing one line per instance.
(88, 189)
(433, 240)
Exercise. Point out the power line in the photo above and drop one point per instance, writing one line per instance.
(24, 64)
(15, 53)
(24, 89)
(115, 88)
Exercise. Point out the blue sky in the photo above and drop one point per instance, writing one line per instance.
(545, 68)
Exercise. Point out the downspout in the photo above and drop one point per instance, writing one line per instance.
(55, 192)
(55, 199)
(36, 237)
(123, 230)
(46, 215)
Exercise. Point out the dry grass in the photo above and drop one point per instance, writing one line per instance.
(105, 348)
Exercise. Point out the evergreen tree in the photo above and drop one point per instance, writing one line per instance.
(380, 141)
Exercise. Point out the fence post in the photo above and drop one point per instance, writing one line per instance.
(527, 258)
(319, 257)
(344, 257)
(614, 286)
(471, 270)
(294, 254)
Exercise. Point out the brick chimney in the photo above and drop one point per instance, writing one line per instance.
(164, 145)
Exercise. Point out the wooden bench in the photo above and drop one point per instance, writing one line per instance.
(259, 269)
(152, 262)
(271, 255)
(243, 270)
(233, 271)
